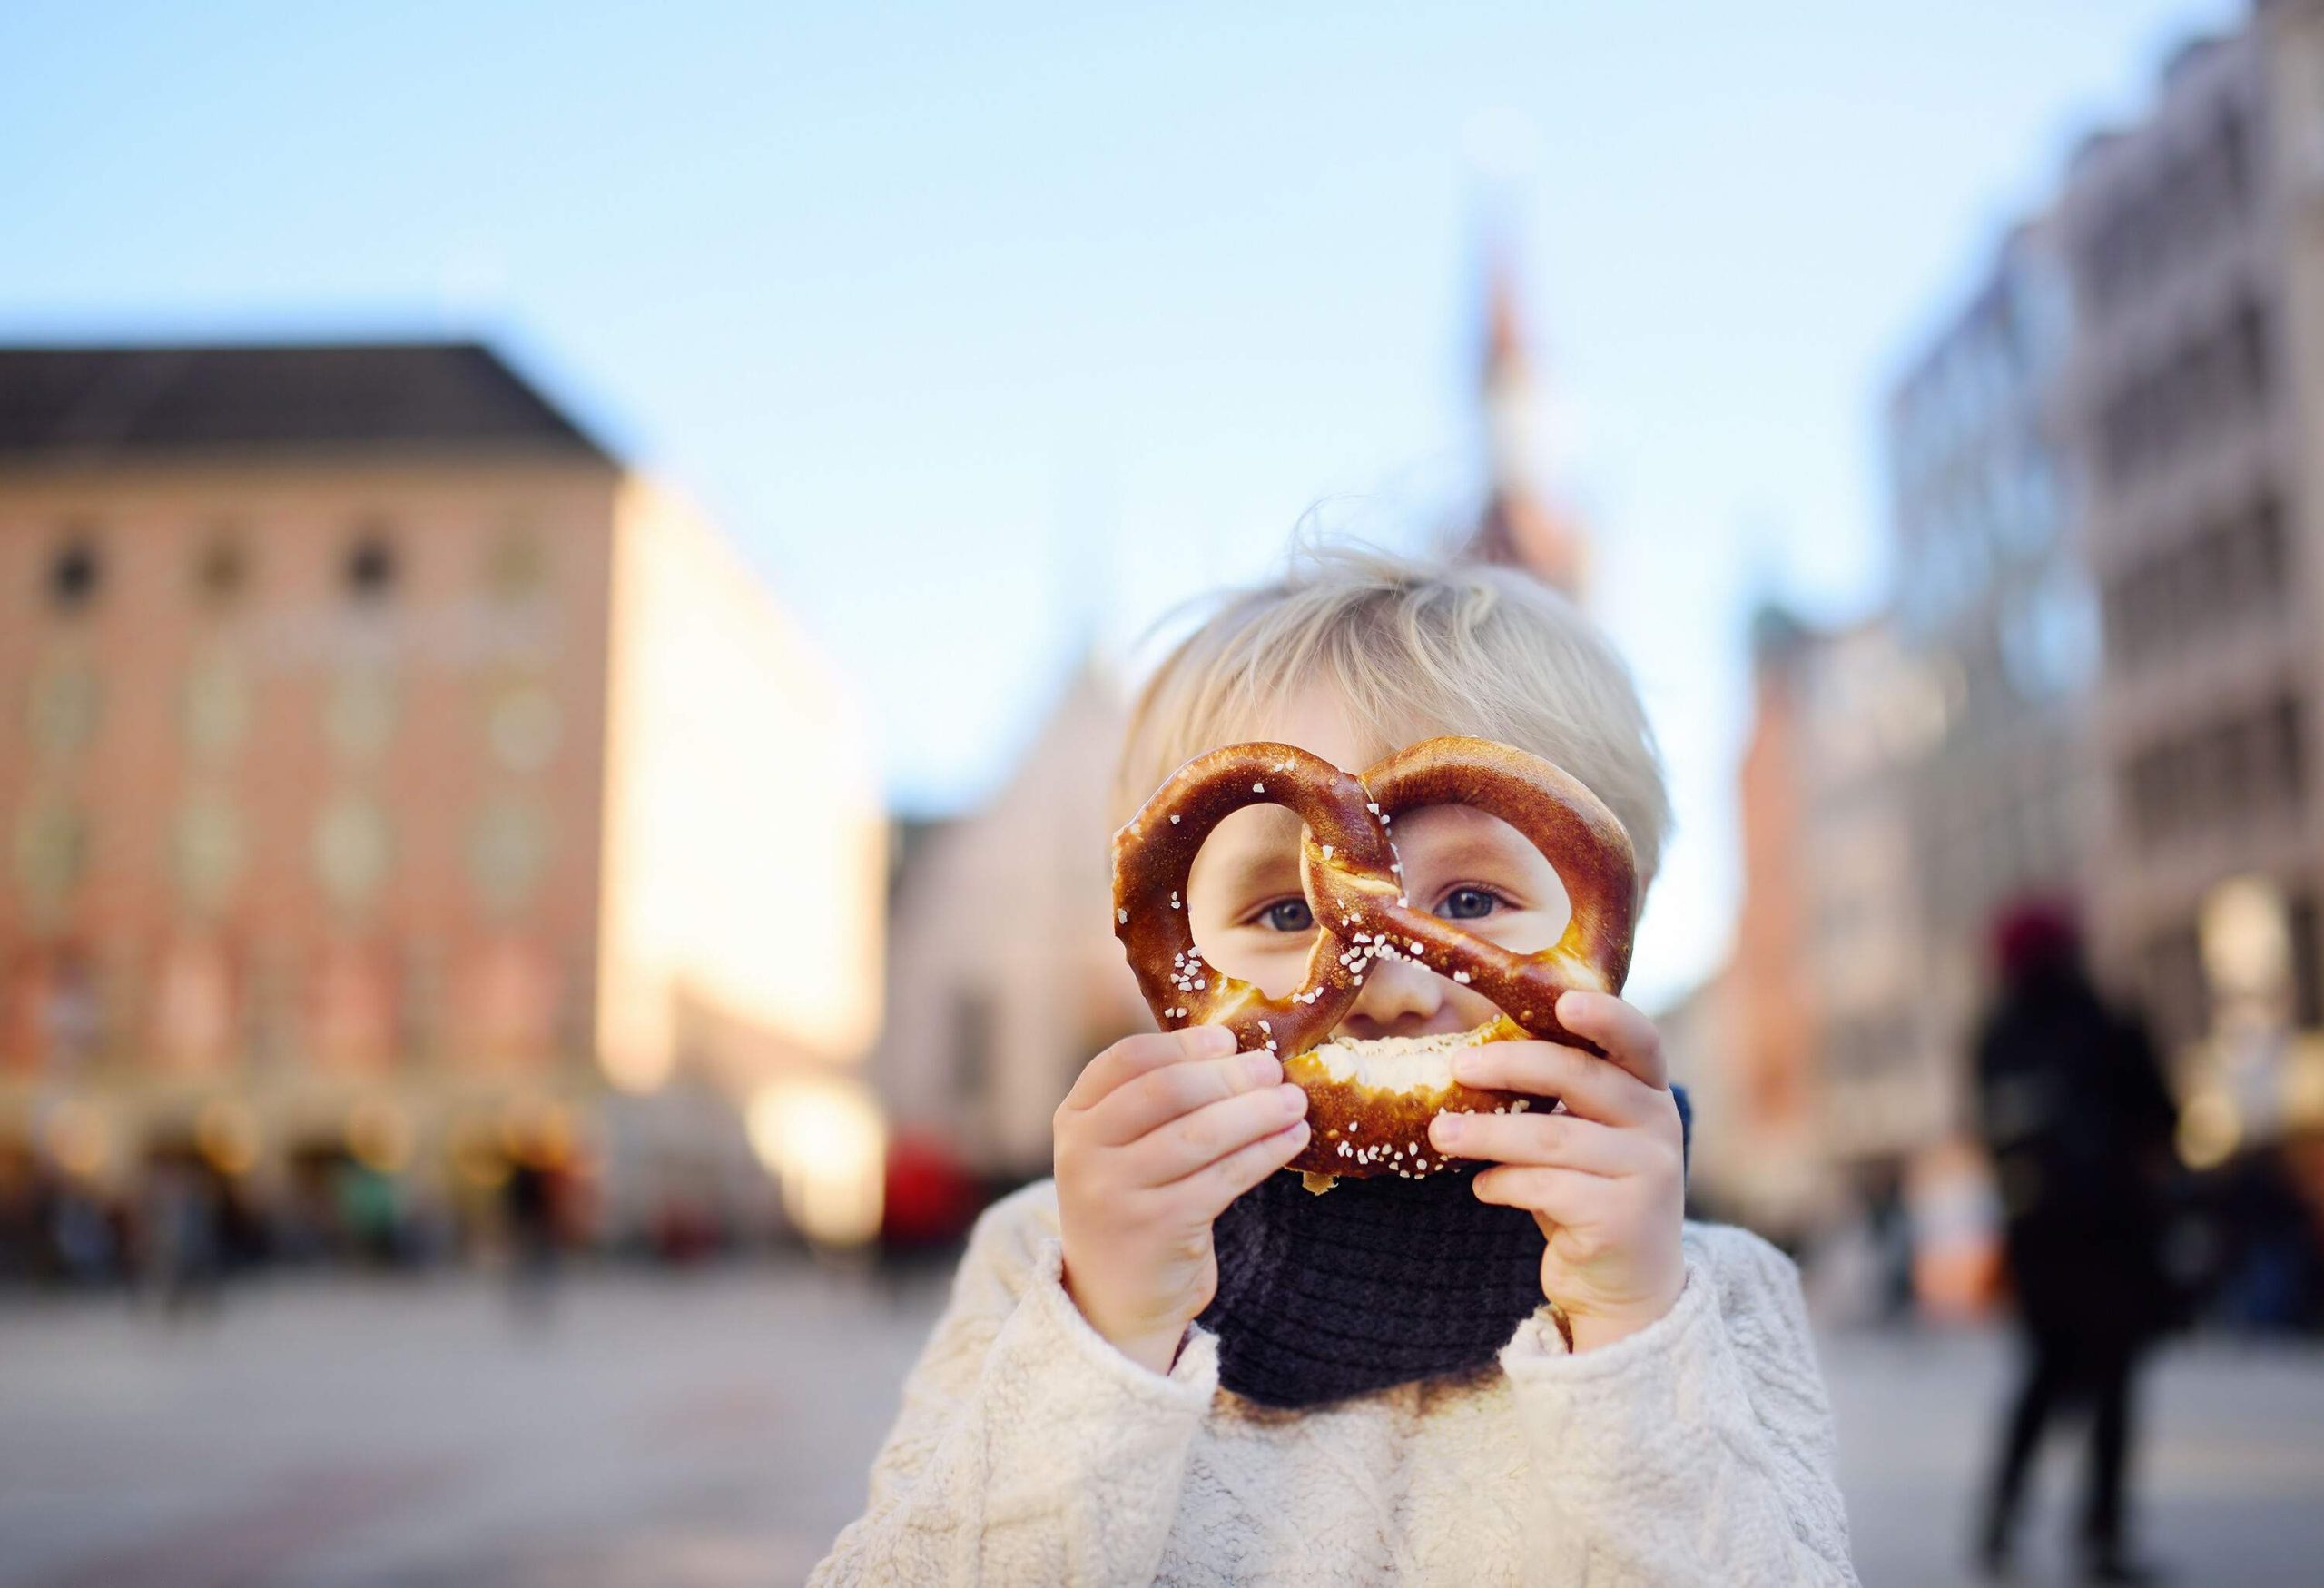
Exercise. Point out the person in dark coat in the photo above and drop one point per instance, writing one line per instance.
(2080, 1123)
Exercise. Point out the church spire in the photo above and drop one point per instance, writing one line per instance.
(1516, 526)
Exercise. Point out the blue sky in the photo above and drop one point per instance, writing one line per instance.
(988, 330)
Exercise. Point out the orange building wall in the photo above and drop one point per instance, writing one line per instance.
(1773, 1003)
(744, 843)
(432, 969)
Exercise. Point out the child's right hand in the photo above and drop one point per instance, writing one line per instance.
(1160, 1134)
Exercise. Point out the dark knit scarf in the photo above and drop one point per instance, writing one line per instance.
(1375, 1283)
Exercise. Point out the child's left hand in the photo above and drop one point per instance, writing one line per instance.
(1605, 1179)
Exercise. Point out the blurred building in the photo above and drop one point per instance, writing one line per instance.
(1866, 714)
(1701, 1032)
(2193, 246)
(390, 776)
(1994, 608)
(1772, 1175)
(1821, 1081)
(2095, 678)
(1005, 977)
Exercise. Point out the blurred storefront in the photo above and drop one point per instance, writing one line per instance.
(401, 794)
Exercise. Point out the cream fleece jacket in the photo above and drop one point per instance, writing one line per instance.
(1029, 1451)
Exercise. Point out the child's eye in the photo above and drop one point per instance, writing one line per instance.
(1287, 915)
(1468, 904)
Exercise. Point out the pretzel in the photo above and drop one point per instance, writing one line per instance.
(1154, 855)
(1352, 878)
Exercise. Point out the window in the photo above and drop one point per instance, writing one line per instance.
(2160, 794)
(353, 847)
(206, 851)
(52, 852)
(2233, 153)
(2226, 572)
(976, 1024)
(2178, 1003)
(58, 989)
(2286, 743)
(507, 852)
(370, 570)
(516, 567)
(2307, 985)
(2215, 376)
(74, 573)
(214, 710)
(2224, 758)
(2049, 636)
(2251, 763)
(2029, 517)
(2251, 354)
(65, 705)
(2271, 564)
(359, 712)
(522, 724)
(222, 570)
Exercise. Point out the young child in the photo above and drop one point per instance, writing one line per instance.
(1172, 1363)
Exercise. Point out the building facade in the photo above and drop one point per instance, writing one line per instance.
(1005, 975)
(2194, 394)
(389, 775)
(1869, 714)
(1994, 606)
(1822, 1084)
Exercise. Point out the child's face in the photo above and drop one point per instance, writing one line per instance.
(1250, 920)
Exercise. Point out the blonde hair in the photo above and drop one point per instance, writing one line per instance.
(1414, 648)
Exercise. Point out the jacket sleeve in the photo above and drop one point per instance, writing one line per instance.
(1028, 1450)
(1699, 1450)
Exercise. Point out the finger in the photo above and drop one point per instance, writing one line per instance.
(1559, 1140)
(1588, 1085)
(1212, 1132)
(1628, 1038)
(1146, 1103)
(1561, 1196)
(1210, 1188)
(1134, 1056)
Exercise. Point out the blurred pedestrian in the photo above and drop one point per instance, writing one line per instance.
(181, 1248)
(83, 1233)
(2079, 1123)
(529, 1196)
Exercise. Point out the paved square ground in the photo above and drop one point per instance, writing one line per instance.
(714, 1429)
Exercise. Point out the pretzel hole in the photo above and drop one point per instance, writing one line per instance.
(1449, 850)
(1250, 861)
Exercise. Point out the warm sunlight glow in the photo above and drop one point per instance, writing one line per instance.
(824, 1139)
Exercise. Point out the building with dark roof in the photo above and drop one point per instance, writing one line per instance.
(388, 774)
(92, 403)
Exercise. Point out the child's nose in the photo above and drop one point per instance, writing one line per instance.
(1398, 997)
